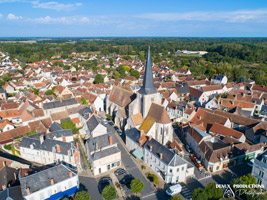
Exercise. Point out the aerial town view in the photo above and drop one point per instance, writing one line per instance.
(133, 100)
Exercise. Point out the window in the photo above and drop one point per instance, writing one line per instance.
(217, 168)
(177, 179)
(178, 169)
(182, 168)
(170, 170)
(261, 174)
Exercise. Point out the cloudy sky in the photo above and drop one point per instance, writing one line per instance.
(86, 18)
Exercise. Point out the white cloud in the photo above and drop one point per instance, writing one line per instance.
(53, 5)
(239, 16)
(11, 16)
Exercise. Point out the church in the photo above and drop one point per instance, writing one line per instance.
(141, 110)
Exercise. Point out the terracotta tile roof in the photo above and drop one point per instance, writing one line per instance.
(218, 128)
(198, 116)
(202, 82)
(194, 92)
(39, 85)
(177, 146)
(121, 96)
(76, 120)
(9, 113)
(59, 115)
(189, 111)
(211, 88)
(9, 106)
(156, 113)
(259, 88)
(142, 140)
(37, 126)
(137, 119)
(38, 113)
(5, 122)
(47, 122)
(13, 134)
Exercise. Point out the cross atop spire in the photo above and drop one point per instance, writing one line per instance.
(148, 82)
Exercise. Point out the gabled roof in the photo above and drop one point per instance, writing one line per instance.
(58, 173)
(57, 104)
(121, 96)
(218, 128)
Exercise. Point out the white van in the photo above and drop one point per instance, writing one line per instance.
(174, 189)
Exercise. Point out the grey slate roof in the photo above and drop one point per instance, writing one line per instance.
(57, 104)
(48, 145)
(55, 127)
(13, 192)
(105, 153)
(148, 82)
(92, 123)
(41, 180)
(182, 90)
(133, 133)
(263, 110)
(85, 112)
(55, 134)
(96, 143)
(168, 156)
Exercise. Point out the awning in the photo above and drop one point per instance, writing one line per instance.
(138, 154)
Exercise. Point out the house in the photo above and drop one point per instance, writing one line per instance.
(62, 92)
(47, 151)
(3, 94)
(11, 115)
(166, 163)
(53, 183)
(58, 106)
(95, 101)
(9, 87)
(212, 104)
(6, 125)
(219, 79)
(95, 127)
(198, 96)
(9, 136)
(259, 169)
(11, 193)
(103, 153)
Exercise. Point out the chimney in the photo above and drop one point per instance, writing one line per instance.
(150, 147)
(64, 138)
(149, 138)
(110, 140)
(94, 111)
(160, 156)
(52, 181)
(77, 145)
(28, 191)
(3, 187)
(58, 148)
(42, 138)
(70, 174)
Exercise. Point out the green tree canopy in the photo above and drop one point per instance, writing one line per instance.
(49, 92)
(135, 74)
(99, 79)
(126, 68)
(137, 185)
(176, 198)
(109, 192)
(213, 192)
(84, 101)
(82, 195)
(199, 194)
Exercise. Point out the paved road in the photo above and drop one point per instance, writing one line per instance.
(90, 185)
(130, 165)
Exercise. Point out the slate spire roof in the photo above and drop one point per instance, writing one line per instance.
(148, 83)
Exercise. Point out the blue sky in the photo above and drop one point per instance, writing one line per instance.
(92, 18)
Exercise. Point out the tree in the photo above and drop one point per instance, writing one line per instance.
(49, 92)
(82, 195)
(176, 198)
(126, 68)
(84, 101)
(109, 192)
(199, 194)
(248, 179)
(135, 74)
(35, 91)
(68, 124)
(137, 185)
(99, 79)
(212, 191)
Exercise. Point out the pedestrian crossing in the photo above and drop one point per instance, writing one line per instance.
(186, 193)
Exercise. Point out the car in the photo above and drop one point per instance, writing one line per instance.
(188, 148)
(174, 189)
(104, 182)
(127, 179)
(250, 163)
(119, 171)
(104, 121)
(116, 128)
(110, 123)
(119, 132)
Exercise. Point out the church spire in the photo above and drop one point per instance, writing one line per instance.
(148, 82)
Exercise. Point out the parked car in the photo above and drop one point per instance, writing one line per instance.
(174, 189)
(250, 163)
(110, 123)
(104, 182)
(119, 171)
(188, 148)
(119, 132)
